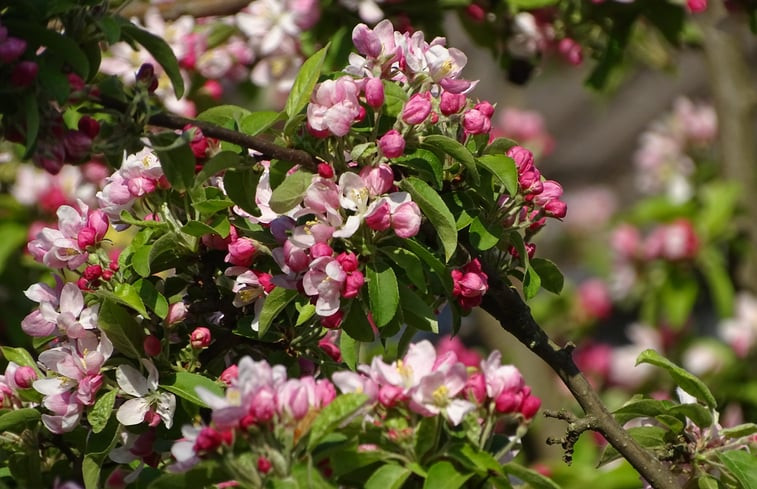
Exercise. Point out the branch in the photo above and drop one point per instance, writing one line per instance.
(268, 148)
(195, 8)
(506, 306)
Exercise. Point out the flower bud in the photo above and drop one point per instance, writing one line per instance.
(325, 170)
(392, 144)
(146, 77)
(333, 321)
(92, 272)
(475, 122)
(571, 51)
(530, 405)
(200, 338)
(264, 465)
(352, 284)
(696, 6)
(523, 158)
(151, 345)
(380, 218)
(374, 92)
(406, 220)
(348, 261)
(241, 252)
(77, 144)
(24, 377)
(485, 108)
(230, 374)
(451, 103)
(366, 41)
(89, 126)
(379, 179)
(11, 49)
(417, 109)
(321, 249)
(24, 73)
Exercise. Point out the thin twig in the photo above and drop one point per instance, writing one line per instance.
(195, 8)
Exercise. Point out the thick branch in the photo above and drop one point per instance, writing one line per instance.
(506, 306)
(195, 8)
(268, 148)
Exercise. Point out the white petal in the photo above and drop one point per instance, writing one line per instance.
(131, 381)
(166, 407)
(133, 411)
(71, 299)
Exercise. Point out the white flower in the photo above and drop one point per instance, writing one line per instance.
(146, 395)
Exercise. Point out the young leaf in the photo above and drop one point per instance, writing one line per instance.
(426, 163)
(304, 83)
(334, 414)
(19, 356)
(531, 283)
(551, 277)
(433, 207)
(416, 312)
(685, 380)
(433, 263)
(502, 167)
(241, 186)
(457, 151)
(350, 349)
(697, 413)
(291, 191)
(743, 466)
(18, 419)
(100, 413)
(183, 384)
(152, 298)
(482, 237)
(257, 122)
(276, 301)
(382, 292)
(160, 50)
(389, 476)
(228, 116)
(444, 475)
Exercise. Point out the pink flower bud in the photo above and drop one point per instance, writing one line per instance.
(348, 261)
(146, 77)
(325, 170)
(406, 220)
(374, 92)
(417, 109)
(330, 349)
(264, 465)
(366, 41)
(379, 179)
(107, 274)
(571, 51)
(24, 377)
(116, 480)
(295, 258)
(475, 386)
(530, 181)
(11, 49)
(89, 126)
(197, 141)
(452, 103)
(266, 281)
(151, 345)
(475, 12)
(140, 186)
(389, 395)
(392, 144)
(594, 299)
(556, 208)
(333, 321)
(212, 89)
(551, 190)
(77, 144)
(77, 84)
(485, 108)
(530, 405)
(508, 401)
(85, 238)
(696, 6)
(177, 312)
(321, 249)
(523, 158)
(83, 284)
(229, 375)
(379, 219)
(207, 440)
(324, 392)
(24, 73)
(475, 122)
(92, 272)
(200, 338)
(626, 241)
(98, 221)
(352, 284)
(241, 252)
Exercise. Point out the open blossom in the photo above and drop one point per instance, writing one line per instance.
(59, 314)
(59, 248)
(140, 174)
(334, 106)
(146, 399)
(324, 281)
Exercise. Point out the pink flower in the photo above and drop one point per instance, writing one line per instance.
(594, 298)
(241, 252)
(379, 217)
(436, 394)
(200, 338)
(11, 49)
(469, 284)
(378, 179)
(334, 106)
(324, 281)
(392, 144)
(24, 377)
(177, 312)
(417, 109)
(406, 219)
(352, 284)
(523, 158)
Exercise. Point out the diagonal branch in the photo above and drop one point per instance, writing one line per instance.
(506, 306)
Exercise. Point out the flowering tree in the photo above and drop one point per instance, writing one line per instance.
(237, 304)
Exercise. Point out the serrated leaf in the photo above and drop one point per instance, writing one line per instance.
(100, 413)
(551, 277)
(341, 408)
(389, 476)
(383, 293)
(290, 192)
(276, 301)
(304, 83)
(160, 50)
(457, 151)
(444, 475)
(121, 329)
(503, 168)
(685, 380)
(436, 211)
(183, 384)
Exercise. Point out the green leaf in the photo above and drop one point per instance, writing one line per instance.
(304, 83)
(646, 436)
(611, 57)
(531, 283)
(121, 329)
(408, 262)
(444, 475)
(483, 237)
(18, 419)
(707, 482)
(743, 466)
(183, 384)
(740, 430)
(532, 4)
(240, 186)
(305, 312)
(382, 291)
(291, 191)
(700, 415)
(166, 252)
(218, 163)
(685, 380)
(350, 349)
(502, 167)
(678, 296)
(499, 146)
(433, 207)
(532, 477)
(31, 118)
(424, 162)
(389, 476)
(152, 298)
(276, 301)
(394, 98)
(341, 408)
(641, 408)
(416, 312)
(14, 236)
(205, 474)
(356, 324)
(178, 165)
(129, 296)
(257, 122)
(197, 228)
(480, 461)
(719, 283)
(100, 413)
(457, 151)
(424, 436)
(19, 356)
(433, 262)
(551, 277)
(228, 116)
(160, 50)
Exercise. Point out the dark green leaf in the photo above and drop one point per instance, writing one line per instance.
(738, 431)
(642, 408)
(205, 474)
(241, 186)
(276, 301)
(551, 277)
(152, 298)
(743, 466)
(426, 163)
(408, 262)
(433, 207)
(499, 146)
(719, 282)
(502, 167)
(228, 116)
(444, 475)
(457, 151)
(31, 118)
(178, 165)
(257, 122)
(291, 191)
(482, 236)
(382, 292)
(433, 262)
(220, 162)
(356, 324)
(167, 252)
(685, 380)
(416, 312)
(183, 384)
(121, 329)
(531, 283)
(19, 356)
(304, 83)
(160, 50)
(480, 461)
(100, 413)
(55, 43)
(389, 476)
(18, 419)
(350, 349)
(700, 415)
(14, 236)
(532, 477)
(333, 415)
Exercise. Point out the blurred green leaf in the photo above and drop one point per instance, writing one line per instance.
(685, 380)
